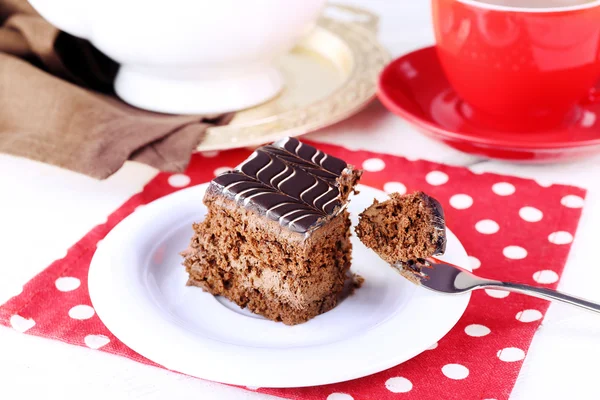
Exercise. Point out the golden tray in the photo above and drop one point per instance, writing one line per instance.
(329, 76)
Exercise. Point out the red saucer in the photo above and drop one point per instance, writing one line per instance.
(415, 88)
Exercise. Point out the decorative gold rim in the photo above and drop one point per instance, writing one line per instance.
(369, 58)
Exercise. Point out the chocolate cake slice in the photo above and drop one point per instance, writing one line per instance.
(404, 228)
(276, 236)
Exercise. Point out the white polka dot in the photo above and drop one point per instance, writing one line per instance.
(531, 214)
(497, 294)
(487, 227)
(560, 237)
(139, 207)
(461, 201)
(433, 346)
(474, 262)
(253, 387)
(373, 165)
(179, 180)
(455, 371)
(394, 187)
(436, 178)
(339, 396)
(544, 183)
(503, 188)
(514, 252)
(545, 277)
(476, 330)
(210, 154)
(511, 354)
(221, 170)
(572, 201)
(529, 315)
(96, 341)
(398, 385)
(81, 312)
(67, 283)
(589, 119)
(21, 324)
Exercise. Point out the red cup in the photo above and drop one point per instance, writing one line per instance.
(526, 68)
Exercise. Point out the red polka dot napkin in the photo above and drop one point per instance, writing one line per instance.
(512, 228)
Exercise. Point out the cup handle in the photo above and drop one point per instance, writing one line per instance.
(355, 15)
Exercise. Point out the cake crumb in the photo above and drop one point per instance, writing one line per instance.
(357, 282)
(353, 283)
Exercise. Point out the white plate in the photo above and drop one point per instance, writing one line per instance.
(137, 286)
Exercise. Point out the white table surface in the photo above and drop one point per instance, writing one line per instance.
(48, 209)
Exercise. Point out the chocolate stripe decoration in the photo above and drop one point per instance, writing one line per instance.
(287, 181)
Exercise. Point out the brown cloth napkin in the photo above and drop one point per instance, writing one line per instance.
(57, 104)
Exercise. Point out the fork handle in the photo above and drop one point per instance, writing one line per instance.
(546, 294)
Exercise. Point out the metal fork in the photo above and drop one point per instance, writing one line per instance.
(443, 277)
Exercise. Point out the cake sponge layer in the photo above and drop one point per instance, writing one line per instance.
(259, 264)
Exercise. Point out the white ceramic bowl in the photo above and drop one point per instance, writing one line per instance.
(189, 56)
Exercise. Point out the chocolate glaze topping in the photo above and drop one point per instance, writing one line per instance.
(289, 182)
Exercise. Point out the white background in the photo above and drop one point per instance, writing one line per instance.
(44, 210)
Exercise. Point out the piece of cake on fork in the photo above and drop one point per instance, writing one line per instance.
(276, 238)
(404, 227)
(403, 230)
